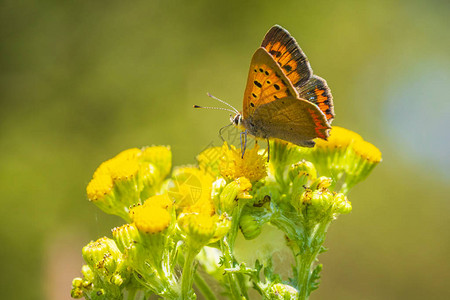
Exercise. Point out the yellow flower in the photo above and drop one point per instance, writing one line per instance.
(159, 156)
(99, 187)
(126, 155)
(252, 166)
(163, 201)
(209, 159)
(190, 190)
(344, 156)
(367, 151)
(339, 138)
(130, 176)
(150, 217)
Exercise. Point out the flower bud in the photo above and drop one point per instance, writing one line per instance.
(126, 237)
(250, 226)
(201, 230)
(105, 272)
(302, 172)
(341, 204)
(236, 189)
(283, 292)
(99, 253)
(321, 183)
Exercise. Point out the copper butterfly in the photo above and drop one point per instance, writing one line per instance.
(283, 99)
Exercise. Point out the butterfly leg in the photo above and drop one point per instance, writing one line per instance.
(220, 132)
(268, 150)
(244, 145)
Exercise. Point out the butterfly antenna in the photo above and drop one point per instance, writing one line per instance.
(215, 98)
(220, 108)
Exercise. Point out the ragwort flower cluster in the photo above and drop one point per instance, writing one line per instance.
(196, 217)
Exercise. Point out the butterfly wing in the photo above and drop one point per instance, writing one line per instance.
(266, 83)
(291, 119)
(287, 53)
(317, 91)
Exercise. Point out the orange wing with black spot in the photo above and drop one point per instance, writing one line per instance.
(288, 54)
(266, 83)
(294, 64)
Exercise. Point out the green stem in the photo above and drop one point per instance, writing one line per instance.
(304, 264)
(187, 276)
(310, 244)
(204, 288)
(229, 264)
(132, 294)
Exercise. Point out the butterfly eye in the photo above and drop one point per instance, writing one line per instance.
(236, 119)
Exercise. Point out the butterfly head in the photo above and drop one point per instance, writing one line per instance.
(236, 120)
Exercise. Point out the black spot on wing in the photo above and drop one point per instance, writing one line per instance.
(288, 68)
(275, 53)
(277, 36)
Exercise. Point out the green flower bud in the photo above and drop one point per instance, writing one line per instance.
(100, 253)
(250, 226)
(105, 272)
(77, 288)
(316, 205)
(201, 229)
(321, 183)
(304, 170)
(237, 189)
(283, 292)
(341, 204)
(126, 237)
(88, 275)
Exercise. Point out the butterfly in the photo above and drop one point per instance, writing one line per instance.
(283, 99)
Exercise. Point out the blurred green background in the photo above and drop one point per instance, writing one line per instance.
(83, 80)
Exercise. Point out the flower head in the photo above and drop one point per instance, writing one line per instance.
(190, 190)
(345, 157)
(130, 176)
(252, 165)
(150, 217)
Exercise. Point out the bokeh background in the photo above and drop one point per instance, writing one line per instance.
(83, 80)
